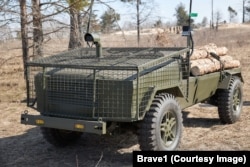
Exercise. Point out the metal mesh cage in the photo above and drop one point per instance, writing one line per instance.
(119, 86)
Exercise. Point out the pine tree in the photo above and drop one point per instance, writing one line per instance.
(181, 15)
(108, 20)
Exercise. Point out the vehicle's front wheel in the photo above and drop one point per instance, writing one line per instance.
(161, 128)
(230, 101)
(59, 137)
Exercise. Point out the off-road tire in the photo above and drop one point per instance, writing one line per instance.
(161, 128)
(230, 101)
(60, 138)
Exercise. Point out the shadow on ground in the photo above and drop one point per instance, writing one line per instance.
(199, 122)
(246, 103)
(30, 149)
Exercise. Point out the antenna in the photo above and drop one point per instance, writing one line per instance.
(190, 38)
(190, 11)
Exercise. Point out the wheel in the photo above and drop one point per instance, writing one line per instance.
(59, 137)
(230, 101)
(161, 128)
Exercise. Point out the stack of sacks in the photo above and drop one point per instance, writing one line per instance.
(203, 63)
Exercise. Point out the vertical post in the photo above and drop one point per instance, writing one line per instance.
(44, 90)
(137, 94)
(212, 15)
(99, 50)
(28, 85)
(190, 46)
(189, 22)
(94, 93)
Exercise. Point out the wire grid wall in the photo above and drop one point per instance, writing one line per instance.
(77, 84)
(166, 75)
(185, 69)
(30, 85)
(84, 93)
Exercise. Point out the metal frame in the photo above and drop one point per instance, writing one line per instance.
(129, 66)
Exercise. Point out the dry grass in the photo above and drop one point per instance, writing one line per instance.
(24, 146)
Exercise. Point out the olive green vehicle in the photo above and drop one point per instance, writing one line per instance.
(98, 90)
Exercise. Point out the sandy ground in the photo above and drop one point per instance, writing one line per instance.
(23, 145)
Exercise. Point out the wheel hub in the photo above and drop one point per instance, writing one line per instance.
(236, 100)
(168, 128)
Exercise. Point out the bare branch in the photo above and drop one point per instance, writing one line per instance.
(99, 160)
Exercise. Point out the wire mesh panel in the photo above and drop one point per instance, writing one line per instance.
(65, 92)
(31, 93)
(165, 75)
(119, 86)
(114, 99)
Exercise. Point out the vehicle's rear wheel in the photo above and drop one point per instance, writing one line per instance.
(230, 101)
(161, 128)
(59, 137)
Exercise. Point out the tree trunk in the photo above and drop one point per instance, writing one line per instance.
(74, 39)
(37, 29)
(24, 34)
(199, 54)
(204, 51)
(209, 65)
(212, 15)
(232, 64)
(80, 27)
(138, 21)
(243, 11)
